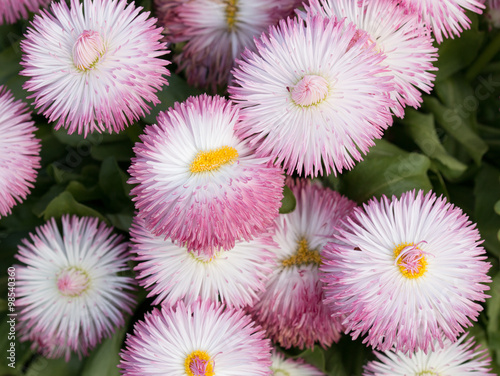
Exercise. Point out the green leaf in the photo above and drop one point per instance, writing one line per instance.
(121, 151)
(121, 221)
(177, 91)
(65, 203)
(386, 170)
(422, 129)
(113, 181)
(81, 193)
(288, 202)
(451, 51)
(487, 193)
(54, 367)
(104, 360)
(80, 142)
(459, 127)
(316, 357)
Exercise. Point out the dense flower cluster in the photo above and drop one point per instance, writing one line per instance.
(236, 234)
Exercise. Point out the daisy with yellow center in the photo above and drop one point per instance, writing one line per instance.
(200, 339)
(214, 33)
(294, 292)
(200, 185)
(171, 272)
(406, 271)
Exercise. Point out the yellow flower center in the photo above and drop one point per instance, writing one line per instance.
(213, 159)
(410, 259)
(199, 363)
(303, 256)
(231, 10)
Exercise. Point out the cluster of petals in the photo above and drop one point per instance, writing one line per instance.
(69, 291)
(216, 32)
(291, 308)
(289, 367)
(314, 96)
(410, 271)
(19, 152)
(199, 339)
(460, 358)
(171, 272)
(406, 44)
(94, 66)
(446, 18)
(13, 10)
(198, 183)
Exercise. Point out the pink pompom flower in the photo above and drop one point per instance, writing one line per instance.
(407, 272)
(291, 308)
(446, 18)
(313, 96)
(94, 66)
(216, 32)
(19, 152)
(458, 358)
(171, 272)
(13, 10)
(69, 292)
(198, 183)
(203, 339)
(406, 44)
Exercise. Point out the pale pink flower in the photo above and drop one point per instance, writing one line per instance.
(69, 291)
(171, 272)
(313, 96)
(198, 183)
(94, 66)
(202, 339)
(291, 308)
(446, 18)
(19, 152)
(406, 44)
(460, 358)
(215, 32)
(407, 272)
(13, 10)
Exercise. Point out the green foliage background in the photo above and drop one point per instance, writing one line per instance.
(451, 145)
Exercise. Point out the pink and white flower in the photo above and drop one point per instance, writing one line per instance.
(407, 272)
(460, 358)
(313, 96)
(446, 18)
(13, 10)
(171, 272)
(216, 32)
(203, 339)
(406, 44)
(198, 183)
(19, 152)
(94, 66)
(291, 308)
(69, 293)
